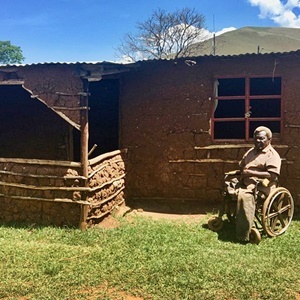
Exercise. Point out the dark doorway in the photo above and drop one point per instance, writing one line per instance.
(104, 116)
(28, 129)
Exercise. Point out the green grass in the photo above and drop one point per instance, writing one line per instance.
(149, 259)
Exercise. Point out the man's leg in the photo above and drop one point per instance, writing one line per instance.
(244, 214)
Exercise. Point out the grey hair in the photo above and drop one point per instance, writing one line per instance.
(265, 129)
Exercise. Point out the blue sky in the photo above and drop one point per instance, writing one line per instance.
(90, 30)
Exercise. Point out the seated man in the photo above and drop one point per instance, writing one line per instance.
(261, 161)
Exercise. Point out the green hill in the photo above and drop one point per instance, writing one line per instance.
(251, 40)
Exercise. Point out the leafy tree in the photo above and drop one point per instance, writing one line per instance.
(164, 35)
(10, 54)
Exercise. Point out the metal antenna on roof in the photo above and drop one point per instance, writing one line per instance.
(214, 37)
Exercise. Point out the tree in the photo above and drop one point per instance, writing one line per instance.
(164, 35)
(10, 54)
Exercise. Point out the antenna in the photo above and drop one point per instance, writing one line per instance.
(214, 37)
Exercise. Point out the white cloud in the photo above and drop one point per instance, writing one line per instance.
(225, 30)
(284, 14)
(208, 34)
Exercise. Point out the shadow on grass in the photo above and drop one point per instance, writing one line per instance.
(20, 225)
(227, 233)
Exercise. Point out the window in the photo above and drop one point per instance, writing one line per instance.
(242, 104)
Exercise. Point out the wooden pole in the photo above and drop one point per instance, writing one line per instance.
(84, 128)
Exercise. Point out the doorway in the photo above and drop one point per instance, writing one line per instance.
(103, 118)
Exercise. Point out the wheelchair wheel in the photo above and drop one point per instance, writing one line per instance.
(254, 236)
(277, 213)
(215, 223)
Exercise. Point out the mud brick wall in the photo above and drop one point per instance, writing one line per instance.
(56, 85)
(106, 185)
(165, 114)
(39, 192)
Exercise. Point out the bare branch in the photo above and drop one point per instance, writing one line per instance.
(164, 35)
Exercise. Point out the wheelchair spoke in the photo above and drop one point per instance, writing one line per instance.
(274, 223)
(273, 220)
(278, 214)
(278, 211)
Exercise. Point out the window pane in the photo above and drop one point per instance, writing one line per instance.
(230, 109)
(265, 86)
(231, 87)
(265, 108)
(273, 125)
(229, 130)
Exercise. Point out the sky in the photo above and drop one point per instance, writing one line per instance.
(91, 30)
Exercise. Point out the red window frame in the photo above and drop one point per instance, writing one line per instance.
(246, 97)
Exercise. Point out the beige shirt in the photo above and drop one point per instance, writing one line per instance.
(267, 160)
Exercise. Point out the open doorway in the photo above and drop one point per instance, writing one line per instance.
(103, 118)
(29, 129)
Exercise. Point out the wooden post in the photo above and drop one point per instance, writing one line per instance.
(84, 129)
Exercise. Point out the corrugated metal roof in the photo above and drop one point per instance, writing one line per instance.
(297, 52)
(65, 63)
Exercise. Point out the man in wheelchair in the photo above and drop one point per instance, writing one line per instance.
(254, 193)
(260, 162)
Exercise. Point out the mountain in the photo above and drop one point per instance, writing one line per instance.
(251, 40)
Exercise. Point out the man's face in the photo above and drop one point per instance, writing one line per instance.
(261, 140)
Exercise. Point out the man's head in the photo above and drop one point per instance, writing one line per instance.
(262, 137)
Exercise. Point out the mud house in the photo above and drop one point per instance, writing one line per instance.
(186, 122)
(51, 170)
(183, 124)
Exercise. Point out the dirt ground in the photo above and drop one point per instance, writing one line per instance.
(112, 221)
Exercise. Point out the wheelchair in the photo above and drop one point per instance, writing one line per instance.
(273, 211)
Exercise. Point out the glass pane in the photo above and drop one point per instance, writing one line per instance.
(230, 109)
(265, 86)
(273, 125)
(229, 130)
(231, 87)
(265, 108)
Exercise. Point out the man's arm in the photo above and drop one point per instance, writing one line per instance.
(260, 174)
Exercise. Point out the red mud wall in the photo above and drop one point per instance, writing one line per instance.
(165, 125)
(36, 119)
(58, 85)
(52, 193)
(106, 185)
(39, 192)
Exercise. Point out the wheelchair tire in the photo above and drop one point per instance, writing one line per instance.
(215, 224)
(254, 236)
(277, 212)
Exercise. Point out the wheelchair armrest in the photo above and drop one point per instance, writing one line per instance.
(234, 172)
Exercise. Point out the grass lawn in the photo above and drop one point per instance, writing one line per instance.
(146, 259)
